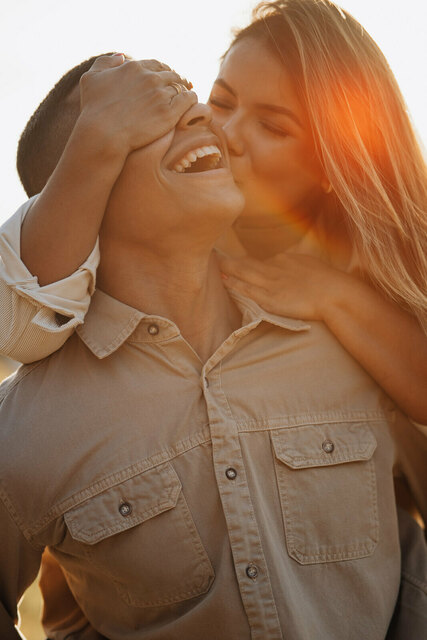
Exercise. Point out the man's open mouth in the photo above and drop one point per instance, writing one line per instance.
(199, 159)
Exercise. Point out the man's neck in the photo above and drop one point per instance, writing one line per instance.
(325, 236)
(265, 236)
(185, 287)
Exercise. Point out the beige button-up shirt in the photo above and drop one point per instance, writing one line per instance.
(250, 497)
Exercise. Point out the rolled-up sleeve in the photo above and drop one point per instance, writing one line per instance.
(36, 320)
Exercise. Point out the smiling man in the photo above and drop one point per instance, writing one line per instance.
(178, 455)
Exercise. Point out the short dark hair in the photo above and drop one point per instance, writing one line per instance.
(46, 133)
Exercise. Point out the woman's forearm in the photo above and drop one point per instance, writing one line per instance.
(61, 228)
(388, 342)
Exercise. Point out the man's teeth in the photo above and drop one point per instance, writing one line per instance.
(192, 156)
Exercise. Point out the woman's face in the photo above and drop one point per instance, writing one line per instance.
(271, 151)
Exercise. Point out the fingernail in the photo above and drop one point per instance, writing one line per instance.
(187, 83)
(224, 276)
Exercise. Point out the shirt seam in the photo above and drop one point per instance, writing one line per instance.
(113, 480)
(21, 373)
(4, 497)
(299, 420)
(414, 581)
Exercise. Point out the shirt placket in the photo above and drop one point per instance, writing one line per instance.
(248, 555)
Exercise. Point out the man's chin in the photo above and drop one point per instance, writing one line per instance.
(223, 206)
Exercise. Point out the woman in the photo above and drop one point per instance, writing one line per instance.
(349, 169)
(352, 194)
(340, 178)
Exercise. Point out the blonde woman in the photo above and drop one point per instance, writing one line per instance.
(345, 182)
(323, 150)
(366, 210)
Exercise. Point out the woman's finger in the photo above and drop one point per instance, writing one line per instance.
(280, 260)
(107, 62)
(172, 76)
(248, 270)
(252, 291)
(155, 65)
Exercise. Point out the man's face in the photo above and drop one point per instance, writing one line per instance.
(179, 185)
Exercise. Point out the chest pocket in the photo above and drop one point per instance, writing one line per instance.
(141, 534)
(327, 485)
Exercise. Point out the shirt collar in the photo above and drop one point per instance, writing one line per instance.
(109, 323)
(252, 312)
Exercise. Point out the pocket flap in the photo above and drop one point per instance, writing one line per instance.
(125, 505)
(323, 444)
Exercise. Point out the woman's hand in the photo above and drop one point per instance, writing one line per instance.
(388, 342)
(128, 104)
(293, 285)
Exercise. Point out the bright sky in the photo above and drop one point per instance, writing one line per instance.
(44, 38)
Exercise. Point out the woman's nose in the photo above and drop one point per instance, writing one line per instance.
(233, 137)
(197, 115)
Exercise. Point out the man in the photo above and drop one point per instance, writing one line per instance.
(233, 510)
(83, 177)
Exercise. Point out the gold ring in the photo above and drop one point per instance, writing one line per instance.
(179, 88)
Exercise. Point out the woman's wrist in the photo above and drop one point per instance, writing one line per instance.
(98, 146)
(340, 293)
(71, 205)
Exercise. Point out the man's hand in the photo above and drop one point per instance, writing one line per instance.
(128, 104)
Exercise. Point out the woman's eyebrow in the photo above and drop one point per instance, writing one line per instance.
(276, 109)
(268, 107)
(222, 83)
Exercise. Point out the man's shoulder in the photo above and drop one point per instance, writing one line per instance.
(28, 375)
(43, 419)
(12, 381)
(35, 401)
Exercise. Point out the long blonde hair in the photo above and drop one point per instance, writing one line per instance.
(363, 137)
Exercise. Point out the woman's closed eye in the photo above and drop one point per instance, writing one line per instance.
(274, 129)
(219, 103)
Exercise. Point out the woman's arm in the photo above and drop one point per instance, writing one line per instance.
(388, 342)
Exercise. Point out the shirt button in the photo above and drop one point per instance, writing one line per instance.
(231, 473)
(153, 329)
(252, 571)
(125, 509)
(206, 383)
(328, 446)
